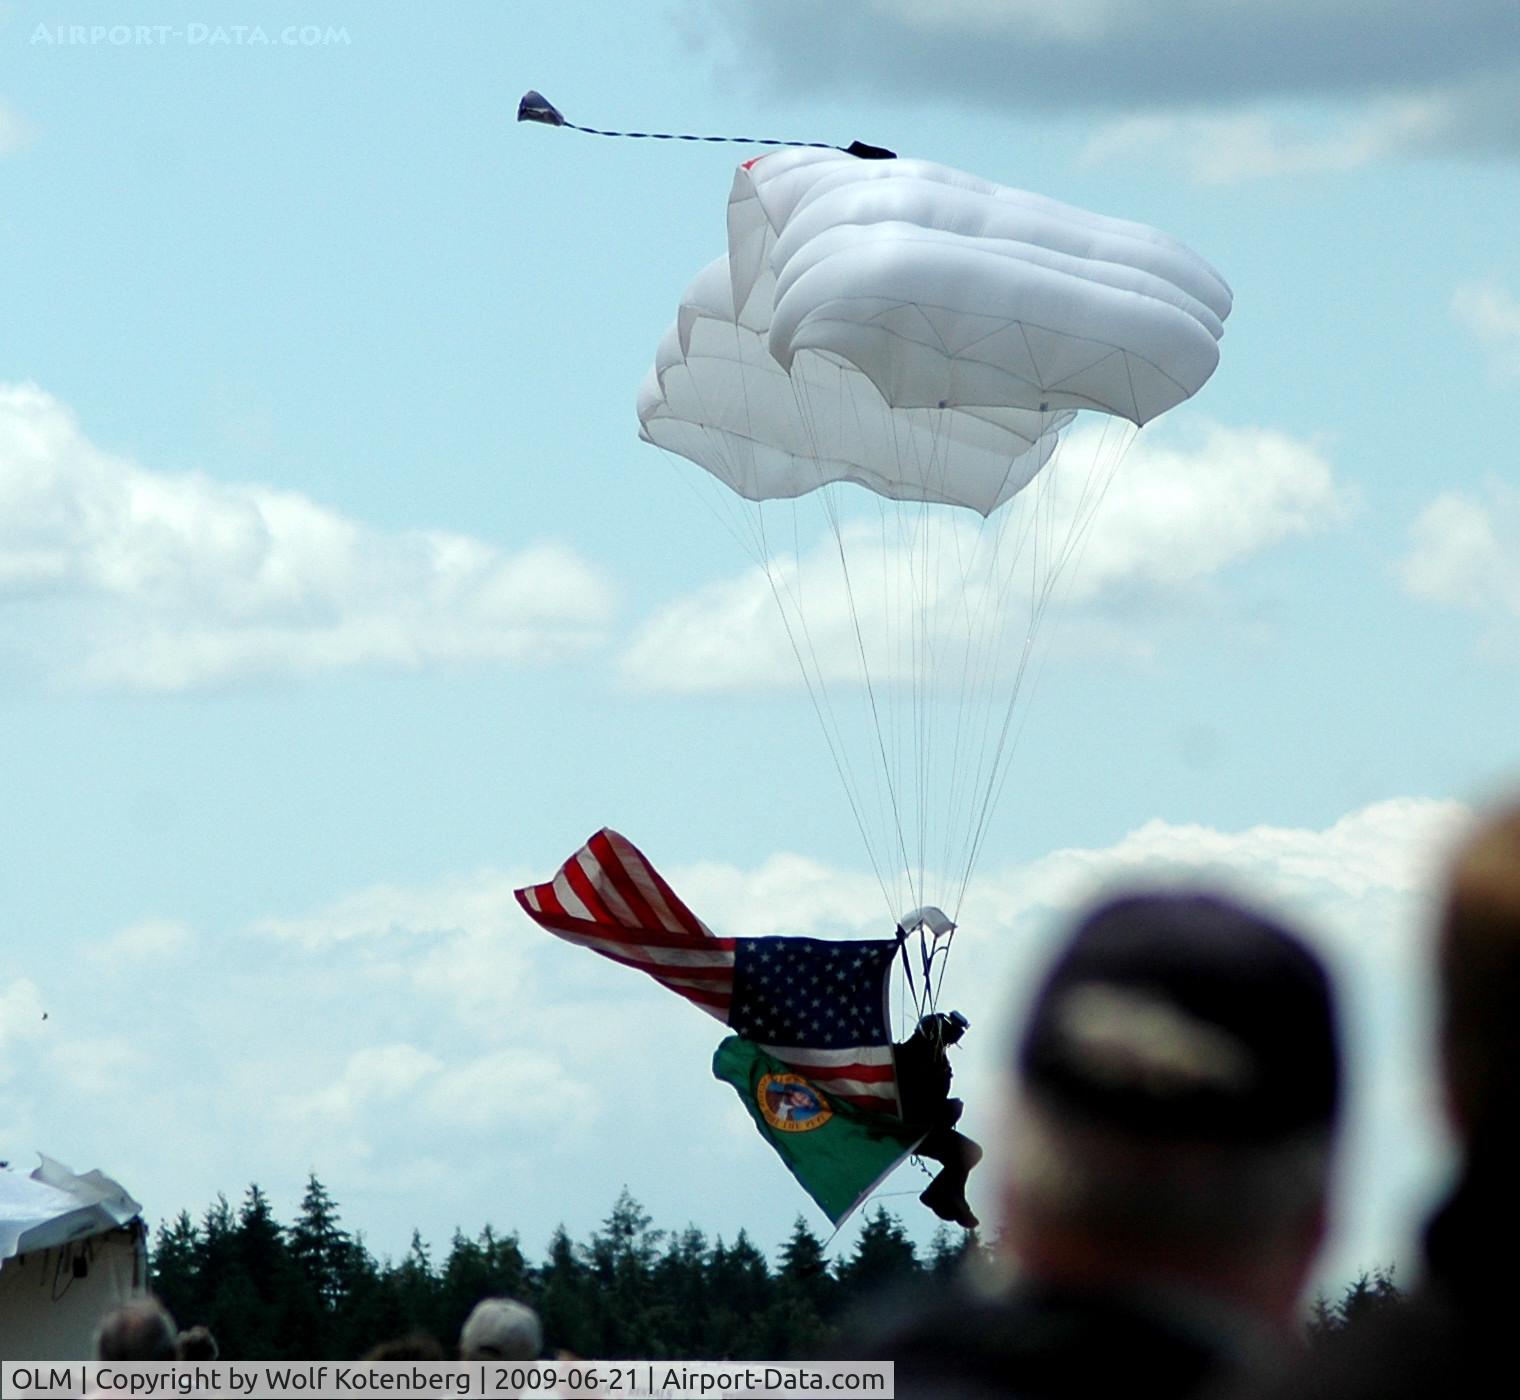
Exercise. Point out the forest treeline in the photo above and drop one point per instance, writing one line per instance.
(312, 1290)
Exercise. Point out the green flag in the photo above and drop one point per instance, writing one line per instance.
(838, 1153)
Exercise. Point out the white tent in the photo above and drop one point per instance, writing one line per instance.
(71, 1249)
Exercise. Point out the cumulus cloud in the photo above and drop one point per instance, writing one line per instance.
(148, 940)
(373, 1077)
(97, 1067)
(1172, 519)
(157, 581)
(1429, 83)
(1217, 148)
(1391, 848)
(1490, 311)
(21, 1011)
(14, 132)
(480, 902)
(1465, 553)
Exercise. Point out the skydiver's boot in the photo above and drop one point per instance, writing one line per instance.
(946, 1197)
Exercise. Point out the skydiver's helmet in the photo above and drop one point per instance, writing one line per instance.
(940, 1029)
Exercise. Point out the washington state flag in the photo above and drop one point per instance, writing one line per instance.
(838, 1153)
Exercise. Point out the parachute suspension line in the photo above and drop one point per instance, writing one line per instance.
(742, 535)
(829, 502)
(1032, 528)
(890, 779)
(822, 708)
(887, 784)
(913, 546)
(831, 509)
(1016, 521)
(939, 524)
(814, 679)
(1042, 528)
(928, 593)
(983, 633)
(1114, 442)
(746, 525)
(1077, 542)
(944, 962)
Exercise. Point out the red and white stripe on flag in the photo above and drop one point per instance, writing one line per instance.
(607, 897)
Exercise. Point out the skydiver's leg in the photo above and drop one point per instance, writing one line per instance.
(946, 1194)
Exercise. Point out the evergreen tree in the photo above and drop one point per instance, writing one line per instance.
(263, 1306)
(623, 1254)
(415, 1288)
(370, 1310)
(173, 1267)
(1367, 1297)
(487, 1267)
(804, 1268)
(739, 1283)
(796, 1325)
(1323, 1322)
(949, 1250)
(567, 1299)
(679, 1315)
(311, 1290)
(319, 1247)
(884, 1256)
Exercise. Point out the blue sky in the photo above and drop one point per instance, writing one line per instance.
(327, 547)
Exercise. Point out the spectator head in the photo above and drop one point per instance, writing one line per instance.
(1478, 960)
(501, 1329)
(197, 1344)
(139, 1330)
(1177, 1087)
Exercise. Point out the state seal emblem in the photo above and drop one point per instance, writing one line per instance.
(790, 1104)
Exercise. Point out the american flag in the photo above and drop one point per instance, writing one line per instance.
(820, 1006)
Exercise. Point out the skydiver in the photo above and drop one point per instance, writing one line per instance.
(923, 1085)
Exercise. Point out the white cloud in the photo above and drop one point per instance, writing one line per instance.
(96, 1067)
(1220, 148)
(1176, 516)
(172, 582)
(14, 132)
(1392, 847)
(148, 940)
(373, 1079)
(1491, 312)
(510, 1087)
(478, 903)
(1465, 553)
(507, 1089)
(1172, 519)
(21, 1012)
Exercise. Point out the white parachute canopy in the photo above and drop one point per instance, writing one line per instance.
(934, 338)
